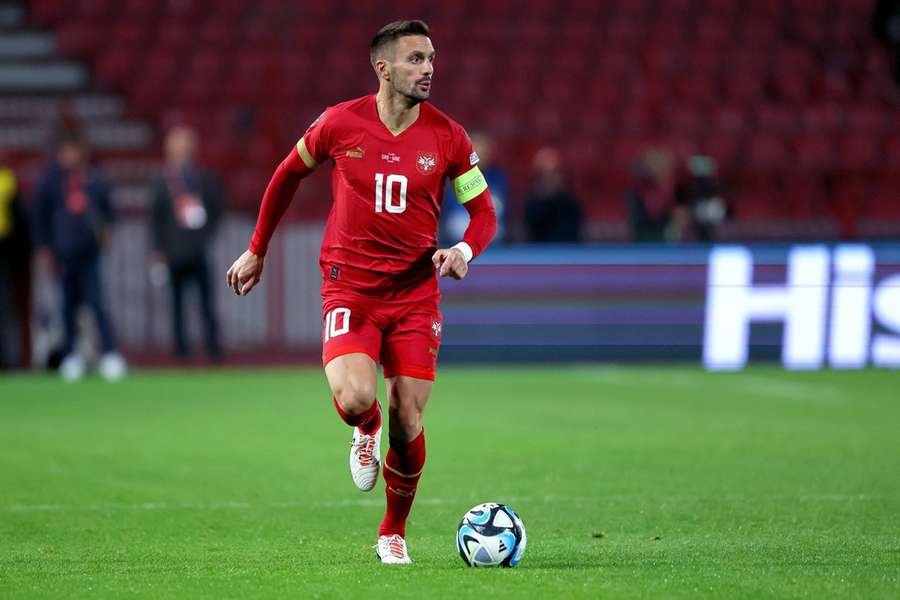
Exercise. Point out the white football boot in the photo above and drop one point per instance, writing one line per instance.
(391, 549)
(365, 458)
(113, 366)
(72, 367)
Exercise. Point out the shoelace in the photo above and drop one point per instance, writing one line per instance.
(365, 449)
(396, 546)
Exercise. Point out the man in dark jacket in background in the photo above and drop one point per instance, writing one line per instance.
(552, 214)
(187, 205)
(72, 215)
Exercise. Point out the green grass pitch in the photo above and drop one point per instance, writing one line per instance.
(632, 482)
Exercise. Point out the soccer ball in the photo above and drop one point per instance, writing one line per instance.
(491, 535)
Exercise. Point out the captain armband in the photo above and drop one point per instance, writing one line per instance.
(469, 185)
(305, 155)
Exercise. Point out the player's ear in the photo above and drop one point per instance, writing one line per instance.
(383, 69)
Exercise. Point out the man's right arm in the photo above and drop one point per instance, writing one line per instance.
(42, 208)
(41, 214)
(281, 189)
(246, 271)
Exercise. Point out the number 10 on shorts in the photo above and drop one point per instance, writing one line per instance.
(337, 322)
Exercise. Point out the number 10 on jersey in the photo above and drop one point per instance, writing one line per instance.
(384, 193)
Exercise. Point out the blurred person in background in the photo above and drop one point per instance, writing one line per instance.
(886, 27)
(15, 276)
(187, 207)
(72, 217)
(700, 209)
(651, 199)
(552, 214)
(454, 216)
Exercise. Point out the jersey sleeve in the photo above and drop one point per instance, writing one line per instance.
(468, 182)
(319, 137)
(462, 156)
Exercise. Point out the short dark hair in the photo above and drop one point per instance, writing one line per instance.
(393, 31)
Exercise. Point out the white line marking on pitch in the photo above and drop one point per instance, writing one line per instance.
(238, 505)
(791, 390)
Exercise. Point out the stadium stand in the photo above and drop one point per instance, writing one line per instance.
(793, 98)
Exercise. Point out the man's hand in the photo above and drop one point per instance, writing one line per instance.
(245, 273)
(450, 262)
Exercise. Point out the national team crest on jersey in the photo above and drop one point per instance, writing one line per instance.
(436, 328)
(426, 162)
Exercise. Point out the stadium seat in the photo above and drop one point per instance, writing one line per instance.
(892, 153)
(859, 152)
(803, 195)
(884, 199)
(814, 151)
(767, 151)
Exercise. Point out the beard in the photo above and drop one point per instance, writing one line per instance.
(413, 94)
(416, 96)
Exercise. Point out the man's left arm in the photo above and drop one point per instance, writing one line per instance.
(472, 192)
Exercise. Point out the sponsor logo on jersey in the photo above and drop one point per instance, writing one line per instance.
(358, 152)
(426, 162)
(473, 158)
(436, 328)
(390, 157)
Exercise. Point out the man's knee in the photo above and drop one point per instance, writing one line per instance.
(354, 394)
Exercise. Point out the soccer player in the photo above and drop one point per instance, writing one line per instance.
(391, 153)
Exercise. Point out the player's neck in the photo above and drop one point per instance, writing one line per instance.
(395, 111)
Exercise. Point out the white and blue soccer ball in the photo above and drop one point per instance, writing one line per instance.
(491, 535)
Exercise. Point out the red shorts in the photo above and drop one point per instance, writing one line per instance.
(402, 333)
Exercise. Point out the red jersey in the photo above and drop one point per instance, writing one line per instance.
(387, 191)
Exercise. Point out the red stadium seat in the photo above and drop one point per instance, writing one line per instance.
(833, 86)
(776, 118)
(751, 205)
(814, 151)
(792, 87)
(884, 199)
(745, 88)
(804, 195)
(696, 90)
(892, 153)
(767, 151)
(822, 118)
(866, 119)
(722, 147)
(730, 120)
(859, 151)
(605, 196)
(81, 39)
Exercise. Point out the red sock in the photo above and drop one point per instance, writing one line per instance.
(367, 421)
(402, 469)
